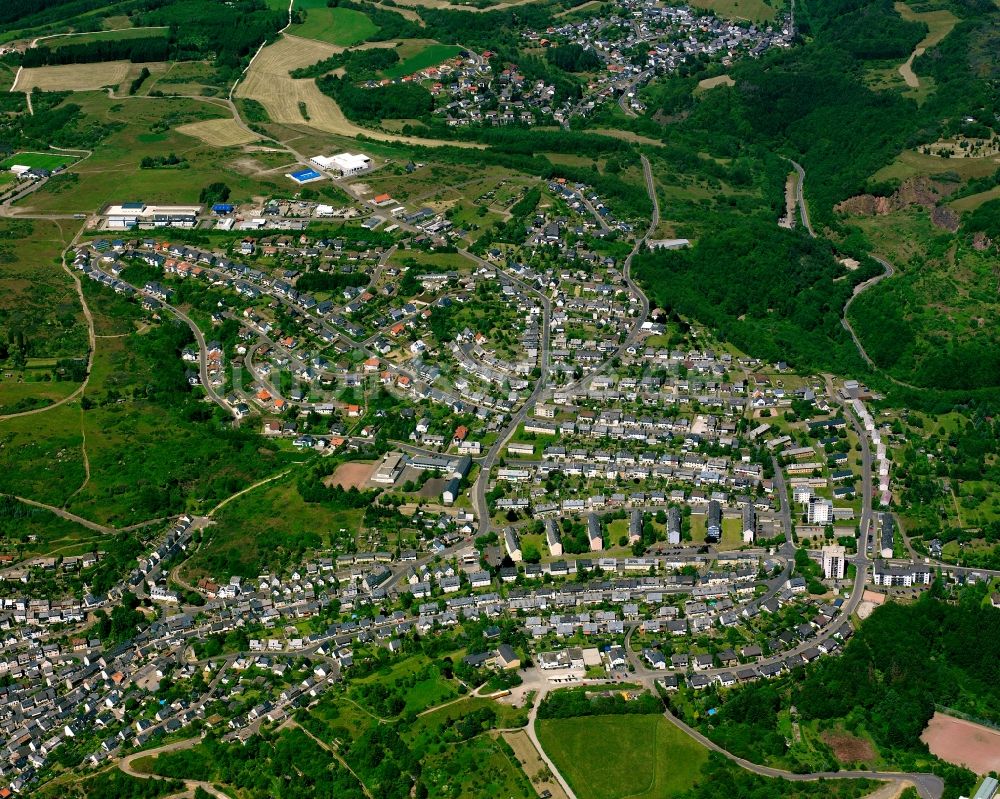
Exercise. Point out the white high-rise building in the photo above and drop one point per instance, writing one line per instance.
(834, 562)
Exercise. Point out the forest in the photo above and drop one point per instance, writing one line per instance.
(138, 50)
(770, 291)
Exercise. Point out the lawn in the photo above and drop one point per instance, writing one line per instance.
(430, 56)
(343, 27)
(612, 757)
(49, 161)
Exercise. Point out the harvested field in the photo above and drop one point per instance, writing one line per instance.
(351, 475)
(72, 77)
(963, 743)
(532, 763)
(848, 748)
(268, 82)
(218, 132)
(718, 80)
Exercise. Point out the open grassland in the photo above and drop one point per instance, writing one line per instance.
(146, 128)
(269, 83)
(343, 27)
(910, 163)
(939, 24)
(430, 56)
(264, 527)
(41, 532)
(218, 132)
(613, 757)
(973, 201)
(41, 456)
(72, 77)
(18, 394)
(755, 10)
(39, 309)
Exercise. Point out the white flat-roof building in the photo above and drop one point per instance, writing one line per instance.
(344, 163)
(130, 215)
(834, 562)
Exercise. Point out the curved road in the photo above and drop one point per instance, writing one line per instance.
(125, 764)
(929, 786)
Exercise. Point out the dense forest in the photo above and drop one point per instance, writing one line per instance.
(773, 292)
(139, 50)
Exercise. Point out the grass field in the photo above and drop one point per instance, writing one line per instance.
(111, 174)
(103, 36)
(262, 527)
(49, 161)
(430, 56)
(613, 757)
(756, 10)
(72, 77)
(343, 27)
(37, 297)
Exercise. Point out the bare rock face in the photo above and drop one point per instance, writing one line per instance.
(944, 217)
(981, 242)
(915, 191)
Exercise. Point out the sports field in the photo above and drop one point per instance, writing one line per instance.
(343, 27)
(37, 160)
(613, 757)
(964, 743)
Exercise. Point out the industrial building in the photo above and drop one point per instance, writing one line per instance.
(131, 215)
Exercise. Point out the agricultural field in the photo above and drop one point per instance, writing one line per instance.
(299, 102)
(612, 757)
(73, 77)
(218, 132)
(57, 41)
(343, 27)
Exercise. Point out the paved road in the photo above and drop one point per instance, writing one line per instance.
(858, 289)
(533, 736)
(800, 198)
(125, 764)
(928, 786)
